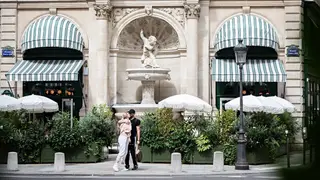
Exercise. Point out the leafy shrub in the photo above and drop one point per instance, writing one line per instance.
(152, 133)
(97, 129)
(21, 134)
(265, 131)
(161, 132)
(61, 136)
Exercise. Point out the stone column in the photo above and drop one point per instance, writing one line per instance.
(103, 14)
(294, 65)
(192, 14)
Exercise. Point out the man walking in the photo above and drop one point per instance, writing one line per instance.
(135, 138)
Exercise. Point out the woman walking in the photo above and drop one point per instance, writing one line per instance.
(123, 140)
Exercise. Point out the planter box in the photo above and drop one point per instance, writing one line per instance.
(148, 156)
(161, 157)
(71, 156)
(3, 155)
(202, 157)
(165, 156)
(259, 156)
(4, 150)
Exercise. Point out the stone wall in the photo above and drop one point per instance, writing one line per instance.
(8, 37)
(294, 65)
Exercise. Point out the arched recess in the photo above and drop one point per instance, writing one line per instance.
(141, 13)
(130, 40)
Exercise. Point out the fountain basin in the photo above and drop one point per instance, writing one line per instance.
(148, 74)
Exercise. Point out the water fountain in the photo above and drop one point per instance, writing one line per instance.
(148, 74)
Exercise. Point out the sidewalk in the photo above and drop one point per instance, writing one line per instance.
(145, 169)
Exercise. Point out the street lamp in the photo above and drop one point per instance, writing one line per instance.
(240, 52)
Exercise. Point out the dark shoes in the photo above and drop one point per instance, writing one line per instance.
(134, 168)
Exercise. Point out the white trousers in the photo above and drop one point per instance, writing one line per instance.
(123, 148)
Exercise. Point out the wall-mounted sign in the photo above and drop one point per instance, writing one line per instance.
(293, 51)
(7, 51)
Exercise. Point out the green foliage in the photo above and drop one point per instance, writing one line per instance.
(203, 143)
(290, 123)
(152, 133)
(225, 125)
(97, 129)
(61, 136)
(265, 131)
(21, 134)
(161, 132)
(31, 140)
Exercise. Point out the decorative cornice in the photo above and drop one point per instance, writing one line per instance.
(192, 10)
(103, 11)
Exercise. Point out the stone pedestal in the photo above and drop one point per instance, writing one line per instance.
(148, 92)
(148, 77)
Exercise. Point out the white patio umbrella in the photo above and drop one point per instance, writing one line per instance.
(271, 106)
(250, 104)
(288, 106)
(185, 102)
(38, 104)
(8, 103)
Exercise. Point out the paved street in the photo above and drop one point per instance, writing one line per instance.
(262, 176)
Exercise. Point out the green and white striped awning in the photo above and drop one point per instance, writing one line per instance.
(45, 70)
(252, 29)
(255, 70)
(52, 31)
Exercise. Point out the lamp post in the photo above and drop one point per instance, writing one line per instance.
(240, 51)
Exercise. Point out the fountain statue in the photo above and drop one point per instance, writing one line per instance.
(150, 71)
(148, 58)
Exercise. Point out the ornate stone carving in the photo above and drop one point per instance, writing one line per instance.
(177, 13)
(129, 38)
(192, 10)
(149, 51)
(148, 9)
(103, 10)
(119, 13)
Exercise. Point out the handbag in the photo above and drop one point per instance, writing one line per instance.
(138, 153)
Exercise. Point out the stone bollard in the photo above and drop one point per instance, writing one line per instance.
(12, 161)
(105, 151)
(218, 161)
(59, 162)
(176, 165)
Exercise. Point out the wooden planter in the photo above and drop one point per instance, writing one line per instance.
(202, 157)
(259, 156)
(71, 156)
(148, 156)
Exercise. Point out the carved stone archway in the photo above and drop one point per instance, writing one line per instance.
(129, 38)
(163, 16)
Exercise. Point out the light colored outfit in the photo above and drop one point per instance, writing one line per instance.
(123, 140)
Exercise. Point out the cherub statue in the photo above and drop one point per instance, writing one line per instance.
(148, 58)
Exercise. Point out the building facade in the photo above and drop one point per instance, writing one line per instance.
(81, 49)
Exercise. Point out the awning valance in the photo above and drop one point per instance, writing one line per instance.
(45, 70)
(252, 29)
(255, 70)
(52, 31)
